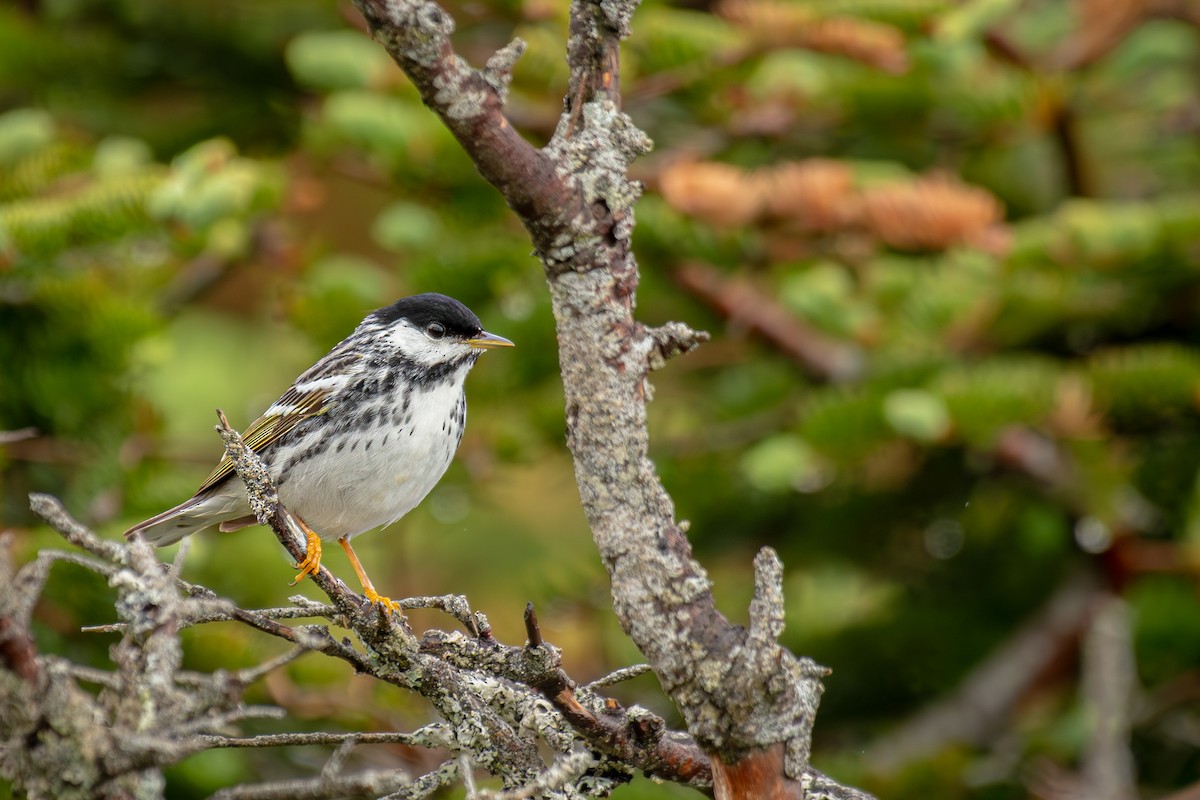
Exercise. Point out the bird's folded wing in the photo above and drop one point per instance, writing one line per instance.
(288, 411)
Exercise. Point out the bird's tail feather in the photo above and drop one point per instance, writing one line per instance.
(191, 516)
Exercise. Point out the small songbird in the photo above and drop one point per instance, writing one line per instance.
(360, 438)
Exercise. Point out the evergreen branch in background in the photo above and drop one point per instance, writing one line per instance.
(978, 708)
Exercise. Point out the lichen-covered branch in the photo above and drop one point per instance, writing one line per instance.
(59, 741)
(634, 738)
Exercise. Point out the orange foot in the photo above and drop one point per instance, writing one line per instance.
(311, 564)
(389, 605)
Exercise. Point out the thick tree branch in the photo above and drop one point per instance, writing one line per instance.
(744, 697)
(470, 102)
(634, 736)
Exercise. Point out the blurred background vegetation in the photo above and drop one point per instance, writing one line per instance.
(950, 253)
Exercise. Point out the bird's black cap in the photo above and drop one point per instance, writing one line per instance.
(423, 309)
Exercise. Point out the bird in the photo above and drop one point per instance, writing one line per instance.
(358, 439)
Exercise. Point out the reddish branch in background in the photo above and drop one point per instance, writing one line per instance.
(738, 300)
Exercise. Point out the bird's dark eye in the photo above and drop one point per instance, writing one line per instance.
(435, 330)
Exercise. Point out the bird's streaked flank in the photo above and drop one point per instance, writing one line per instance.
(360, 438)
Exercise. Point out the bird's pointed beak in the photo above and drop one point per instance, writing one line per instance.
(488, 341)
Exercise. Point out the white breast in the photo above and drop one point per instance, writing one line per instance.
(381, 472)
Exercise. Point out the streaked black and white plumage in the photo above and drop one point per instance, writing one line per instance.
(362, 436)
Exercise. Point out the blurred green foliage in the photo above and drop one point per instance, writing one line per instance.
(197, 199)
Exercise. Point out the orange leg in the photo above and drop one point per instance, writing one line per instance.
(311, 564)
(368, 589)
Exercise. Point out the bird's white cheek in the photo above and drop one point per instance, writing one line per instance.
(420, 348)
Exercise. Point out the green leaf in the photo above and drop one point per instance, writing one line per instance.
(24, 131)
(783, 463)
(120, 155)
(1146, 384)
(406, 226)
(830, 598)
(671, 38)
(336, 60)
(917, 413)
(388, 126)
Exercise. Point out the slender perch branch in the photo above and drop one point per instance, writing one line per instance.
(264, 502)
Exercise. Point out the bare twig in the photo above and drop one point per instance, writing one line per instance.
(430, 736)
(428, 783)
(455, 605)
(617, 676)
(532, 629)
(373, 783)
(1109, 684)
(823, 357)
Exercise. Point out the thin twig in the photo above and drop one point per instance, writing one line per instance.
(251, 674)
(456, 606)
(822, 356)
(373, 783)
(532, 629)
(428, 783)
(432, 736)
(617, 676)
